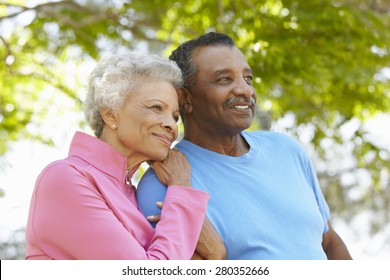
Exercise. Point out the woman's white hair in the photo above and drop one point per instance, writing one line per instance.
(115, 77)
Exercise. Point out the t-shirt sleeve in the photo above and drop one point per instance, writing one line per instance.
(149, 191)
(322, 204)
(312, 178)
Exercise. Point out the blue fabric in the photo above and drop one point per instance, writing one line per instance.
(265, 204)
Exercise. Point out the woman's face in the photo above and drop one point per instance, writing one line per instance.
(147, 124)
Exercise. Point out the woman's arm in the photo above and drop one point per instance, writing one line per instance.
(70, 219)
(176, 170)
(210, 245)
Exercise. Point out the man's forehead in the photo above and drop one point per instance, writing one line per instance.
(213, 49)
(220, 58)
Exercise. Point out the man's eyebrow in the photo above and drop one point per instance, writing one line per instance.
(224, 71)
(248, 70)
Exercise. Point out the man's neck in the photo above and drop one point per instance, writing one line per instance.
(227, 144)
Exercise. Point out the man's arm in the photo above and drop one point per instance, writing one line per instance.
(210, 245)
(334, 246)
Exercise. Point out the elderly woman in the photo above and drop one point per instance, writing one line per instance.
(84, 206)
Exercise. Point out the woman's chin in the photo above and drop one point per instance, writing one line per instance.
(160, 156)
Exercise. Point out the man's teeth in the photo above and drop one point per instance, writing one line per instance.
(241, 107)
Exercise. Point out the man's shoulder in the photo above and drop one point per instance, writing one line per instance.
(258, 138)
(274, 138)
(268, 135)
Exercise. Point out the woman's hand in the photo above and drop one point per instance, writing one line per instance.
(157, 217)
(173, 170)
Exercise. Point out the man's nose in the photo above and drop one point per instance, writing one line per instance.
(243, 88)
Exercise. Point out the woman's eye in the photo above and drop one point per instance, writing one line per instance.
(157, 108)
(176, 118)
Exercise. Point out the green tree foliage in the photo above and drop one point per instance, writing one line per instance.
(319, 64)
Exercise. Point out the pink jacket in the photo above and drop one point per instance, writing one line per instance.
(82, 208)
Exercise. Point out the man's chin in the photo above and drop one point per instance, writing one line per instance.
(240, 128)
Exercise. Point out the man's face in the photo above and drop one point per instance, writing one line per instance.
(223, 98)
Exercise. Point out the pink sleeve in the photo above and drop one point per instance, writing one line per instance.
(180, 217)
(71, 220)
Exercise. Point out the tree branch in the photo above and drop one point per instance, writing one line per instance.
(36, 8)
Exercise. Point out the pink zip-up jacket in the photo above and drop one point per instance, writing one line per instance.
(82, 208)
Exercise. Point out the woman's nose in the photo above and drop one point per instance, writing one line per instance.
(170, 124)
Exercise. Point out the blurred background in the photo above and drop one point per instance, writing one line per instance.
(322, 75)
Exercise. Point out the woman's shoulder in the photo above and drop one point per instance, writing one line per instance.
(60, 172)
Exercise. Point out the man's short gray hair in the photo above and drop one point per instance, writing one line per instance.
(115, 77)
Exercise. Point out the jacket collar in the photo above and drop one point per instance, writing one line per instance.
(99, 154)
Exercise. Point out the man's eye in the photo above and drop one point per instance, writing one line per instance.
(224, 79)
(248, 79)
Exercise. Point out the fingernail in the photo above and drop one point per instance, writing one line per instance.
(159, 203)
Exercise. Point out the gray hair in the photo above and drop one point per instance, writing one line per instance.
(183, 54)
(115, 77)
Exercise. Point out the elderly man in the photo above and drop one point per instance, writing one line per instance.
(265, 200)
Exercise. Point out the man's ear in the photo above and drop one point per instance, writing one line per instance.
(109, 117)
(184, 97)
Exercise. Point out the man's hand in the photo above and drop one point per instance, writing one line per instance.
(210, 245)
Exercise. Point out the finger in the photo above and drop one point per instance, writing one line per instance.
(153, 218)
(159, 204)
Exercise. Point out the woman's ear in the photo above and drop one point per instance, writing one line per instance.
(109, 117)
(184, 97)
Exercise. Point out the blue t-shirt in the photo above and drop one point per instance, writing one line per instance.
(265, 204)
